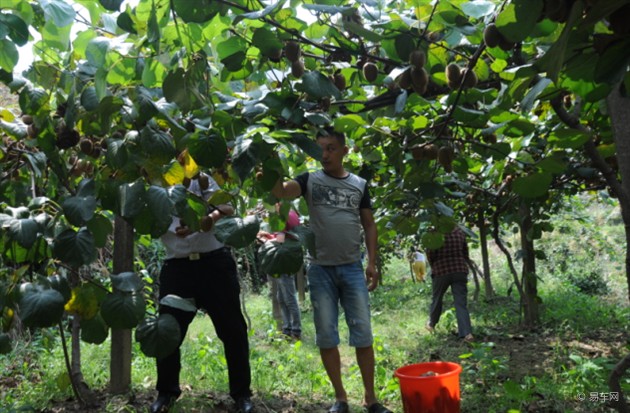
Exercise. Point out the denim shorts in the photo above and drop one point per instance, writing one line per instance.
(331, 285)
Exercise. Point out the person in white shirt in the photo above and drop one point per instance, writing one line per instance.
(199, 267)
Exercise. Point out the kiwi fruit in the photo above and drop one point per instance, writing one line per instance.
(32, 131)
(417, 58)
(86, 146)
(491, 35)
(418, 153)
(186, 182)
(470, 78)
(204, 182)
(275, 55)
(453, 74)
(490, 139)
(370, 72)
(27, 119)
(67, 138)
(445, 157)
(431, 151)
(419, 80)
(404, 80)
(206, 223)
(324, 103)
(297, 68)
(292, 51)
(340, 81)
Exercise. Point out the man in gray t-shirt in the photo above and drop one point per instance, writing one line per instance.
(340, 211)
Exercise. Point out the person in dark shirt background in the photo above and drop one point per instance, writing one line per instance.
(449, 268)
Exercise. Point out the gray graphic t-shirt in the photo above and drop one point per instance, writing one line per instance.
(334, 205)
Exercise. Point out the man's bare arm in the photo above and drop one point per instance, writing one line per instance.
(286, 190)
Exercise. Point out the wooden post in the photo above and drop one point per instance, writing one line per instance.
(120, 357)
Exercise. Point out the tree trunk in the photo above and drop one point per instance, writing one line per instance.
(615, 386)
(619, 109)
(485, 257)
(120, 357)
(530, 287)
(76, 374)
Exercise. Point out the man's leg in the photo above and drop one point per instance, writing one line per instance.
(365, 359)
(332, 363)
(460, 297)
(440, 284)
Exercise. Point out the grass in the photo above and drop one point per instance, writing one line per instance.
(584, 331)
(494, 379)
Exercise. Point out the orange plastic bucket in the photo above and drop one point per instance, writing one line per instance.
(431, 387)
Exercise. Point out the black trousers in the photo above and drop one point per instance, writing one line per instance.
(458, 283)
(213, 283)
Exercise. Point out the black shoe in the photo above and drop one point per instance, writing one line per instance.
(163, 403)
(339, 407)
(244, 405)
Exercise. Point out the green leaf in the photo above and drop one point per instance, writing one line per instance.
(9, 55)
(232, 53)
(184, 304)
(532, 186)
(553, 59)
(478, 8)
(266, 40)
(126, 282)
(318, 86)
(281, 258)
(111, 5)
(75, 248)
(41, 307)
(518, 19)
(208, 149)
(18, 29)
(528, 102)
(96, 51)
(237, 232)
(160, 206)
(158, 336)
(432, 240)
(156, 144)
(60, 283)
(568, 138)
(5, 344)
(246, 155)
(198, 11)
(101, 227)
(24, 231)
(79, 209)
(89, 98)
(94, 330)
(131, 199)
(308, 145)
(255, 15)
(126, 23)
(612, 65)
(122, 310)
(61, 12)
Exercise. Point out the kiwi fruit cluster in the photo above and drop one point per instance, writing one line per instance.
(445, 157)
(370, 71)
(456, 76)
(492, 37)
(293, 53)
(90, 147)
(427, 152)
(417, 75)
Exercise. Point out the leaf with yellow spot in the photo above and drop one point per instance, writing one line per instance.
(175, 174)
(84, 302)
(191, 169)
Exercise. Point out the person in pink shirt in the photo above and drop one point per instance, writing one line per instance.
(283, 287)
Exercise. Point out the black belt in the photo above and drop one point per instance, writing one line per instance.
(195, 256)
